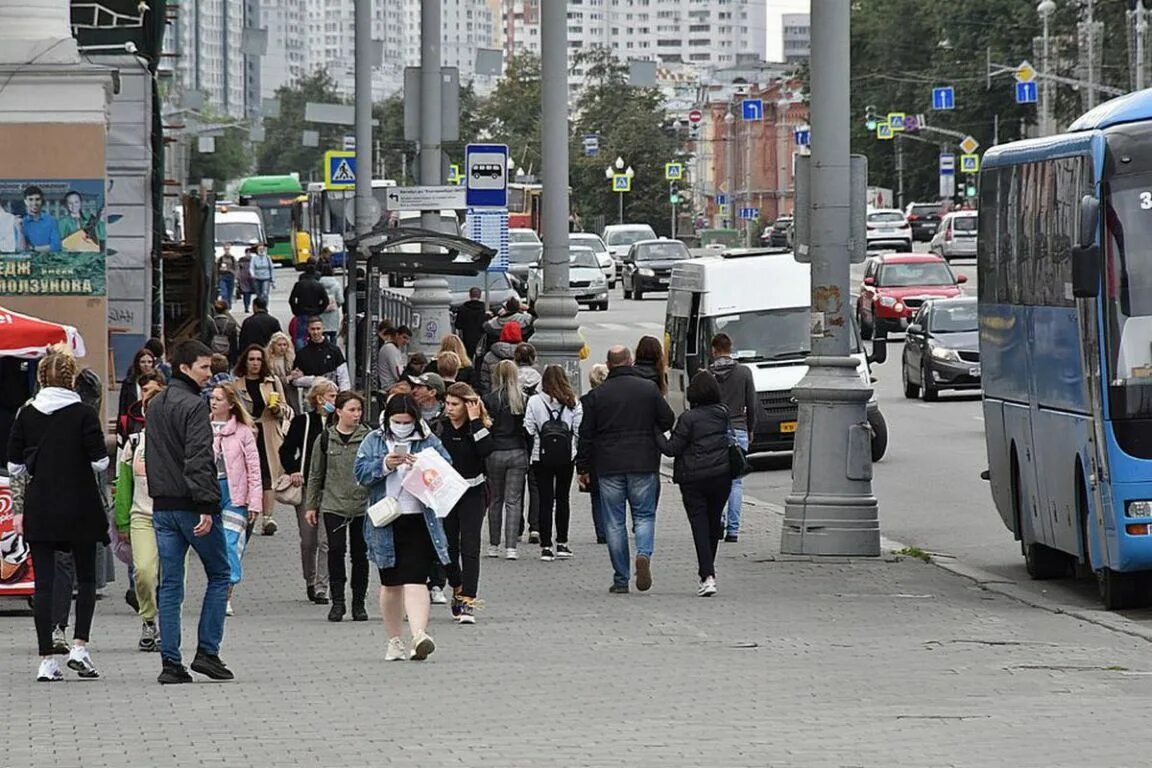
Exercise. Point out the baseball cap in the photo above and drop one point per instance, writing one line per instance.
(431, 380)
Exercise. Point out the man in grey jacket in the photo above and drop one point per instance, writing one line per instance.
(738, 393)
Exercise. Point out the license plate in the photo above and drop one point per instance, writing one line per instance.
(889, 232)
(662, 281)
(787, 427)
(974, 370)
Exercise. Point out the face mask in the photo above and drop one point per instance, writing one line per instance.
(328, 407)
(402, 431)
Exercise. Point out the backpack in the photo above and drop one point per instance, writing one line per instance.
(220, 343)
(555, 440)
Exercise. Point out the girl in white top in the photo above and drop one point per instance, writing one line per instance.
(553, 455)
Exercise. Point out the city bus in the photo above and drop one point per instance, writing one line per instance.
(524, 202)
(1065, 304)
(329, 216)
(283, 203)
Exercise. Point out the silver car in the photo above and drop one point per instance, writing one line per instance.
(956, 237)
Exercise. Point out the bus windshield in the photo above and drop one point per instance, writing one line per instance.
(277, 216)
(1128, 281)
(767, 334)
(241, 232)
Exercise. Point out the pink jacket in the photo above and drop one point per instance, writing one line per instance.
(241, 465)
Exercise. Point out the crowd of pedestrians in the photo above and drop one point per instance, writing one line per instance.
(209, 445)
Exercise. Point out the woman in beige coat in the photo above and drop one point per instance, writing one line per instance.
(262, 396)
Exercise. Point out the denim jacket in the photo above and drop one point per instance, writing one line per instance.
(371, 473)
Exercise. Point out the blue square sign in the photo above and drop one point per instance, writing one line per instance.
(486, 175)
(1026, 93)
(752, 109)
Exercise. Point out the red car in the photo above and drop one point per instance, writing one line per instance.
(896, 284)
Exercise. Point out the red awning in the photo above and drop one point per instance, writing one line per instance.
(30, 337)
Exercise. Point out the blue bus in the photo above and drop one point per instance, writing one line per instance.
(1065, 302)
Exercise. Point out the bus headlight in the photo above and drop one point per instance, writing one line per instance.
(944, 353)
(1138, 509)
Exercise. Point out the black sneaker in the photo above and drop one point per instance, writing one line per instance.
(211, 666)
(563, 552)
(321, 598)
(173, 674)
(546, 554)
(731, 538)
(311, 593)
(133, 602)
(358, 611)
(533, 537)
(618, 589)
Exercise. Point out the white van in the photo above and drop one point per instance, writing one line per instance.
(763, 303)
(242, 226)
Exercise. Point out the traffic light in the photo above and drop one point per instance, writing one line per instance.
(870, 117)
(673, 193)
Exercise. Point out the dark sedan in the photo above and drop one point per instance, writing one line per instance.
(648, 266)
(942, 348)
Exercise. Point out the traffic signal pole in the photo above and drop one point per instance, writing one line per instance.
(831, 509)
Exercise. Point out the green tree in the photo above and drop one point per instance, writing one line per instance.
(511, 114)
(230, 159)
(283, 150)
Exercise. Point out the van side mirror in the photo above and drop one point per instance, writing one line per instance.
(879, 353)
(1086, 271)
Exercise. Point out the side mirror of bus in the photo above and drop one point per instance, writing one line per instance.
(1086, 254)
(1089, 219)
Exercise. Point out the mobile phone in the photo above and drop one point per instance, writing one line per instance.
(401, 449)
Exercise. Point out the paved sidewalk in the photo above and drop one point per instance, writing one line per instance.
(842, 663)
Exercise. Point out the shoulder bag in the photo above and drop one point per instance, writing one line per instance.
(283, 489)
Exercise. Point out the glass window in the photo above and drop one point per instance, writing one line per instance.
(886, 217)
(768, 334)
(239, 232)
(664, 251)
(901, 274)
(1128, 293)
(953, 318)
(988, 246)
(583, 258)
(965, 224)
(522, 236)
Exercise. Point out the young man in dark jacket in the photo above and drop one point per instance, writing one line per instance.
(618, 441)
(470, 319)
(258, 327)
(319, 358)
(182, 481)
(308, 299)
(738, 394)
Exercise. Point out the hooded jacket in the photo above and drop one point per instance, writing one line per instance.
(178, 453)
(500, 351)
(737, 392)
(236, 443)
(699, 445)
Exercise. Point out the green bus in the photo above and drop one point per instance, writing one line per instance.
(282, 200)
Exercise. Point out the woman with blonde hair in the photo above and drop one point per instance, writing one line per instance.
(55, 449)
(238, 470)
(465, 372)
(508, 462)
(281, 360)
(295, 458)
(263, 398)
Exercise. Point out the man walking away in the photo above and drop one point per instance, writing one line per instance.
(738, 393)
(618, 443)
(308, 299)
(182, 480)
(259, 327)
(391, 360)
(226, 274)
(224, 332)
(470, 319)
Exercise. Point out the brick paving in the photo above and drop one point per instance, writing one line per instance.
(839, 663)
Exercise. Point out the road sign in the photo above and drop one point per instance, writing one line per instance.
(1025, 73)
(947, 186)
(725, 210)
(721, 199)
(912, 123)
(969, 163)
(440, 198)
(802, 136)
(896, 121)
(454, 176)
(349, 142)
(884, 131)
(339, 170)
(621, 182)
(749, 214)
(969, 145)
(752, 109)
(591, 145)
(695, 116)
(673, 171)
(947, 164)
(490, 226)
(486, 175)
(944, 97)
(1027, 93)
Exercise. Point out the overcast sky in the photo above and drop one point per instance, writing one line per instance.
(775, 9)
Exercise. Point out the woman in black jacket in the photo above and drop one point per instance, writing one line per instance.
(57, 444)
(295, 457)
(464, 433)
(699, 444)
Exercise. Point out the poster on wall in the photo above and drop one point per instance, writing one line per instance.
(15, 557)
(52, 237)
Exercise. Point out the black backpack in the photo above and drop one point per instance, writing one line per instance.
(555, 440)
(220, 343)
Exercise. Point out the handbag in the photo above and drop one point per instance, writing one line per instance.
(384, 512)
(738, 464)
(282, 489)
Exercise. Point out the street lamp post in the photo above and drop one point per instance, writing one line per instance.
(610, 173)
(1046, 8)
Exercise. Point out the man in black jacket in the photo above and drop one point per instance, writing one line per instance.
(738, 393)
(319, 359)
(470, 319)
(618, 441)
(258, 328)
(308, 299)
(182, 481)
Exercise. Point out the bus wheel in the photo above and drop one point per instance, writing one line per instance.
(1121, 590)
(1041, 562)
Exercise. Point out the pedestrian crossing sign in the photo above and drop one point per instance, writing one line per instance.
(884, 131)
(621, 182)
(673, 171)
(339, 170)
(969, 163)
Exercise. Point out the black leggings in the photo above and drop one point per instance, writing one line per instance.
(704, 502)
(555, 485)
(44, 567)
(464, 528)
(342, 530)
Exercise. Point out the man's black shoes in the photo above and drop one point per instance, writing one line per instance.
(211, 666)
(173, 674)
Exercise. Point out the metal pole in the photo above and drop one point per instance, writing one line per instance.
(1046, 124)
(1141, 30)
(364, 202)
(730, 168)
(831, 509)
(430, 292)
(620, 201)
(748, 180)
(1091, 95)
(899, 171)
(557, 338)
(671, 186)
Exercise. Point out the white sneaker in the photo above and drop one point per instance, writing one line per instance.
(510, 554)
(395, 650)
(228, 610)
(49, 672)
(494, 550)
(436, 595)
(707, 587)
(422, 647)
(80, 661)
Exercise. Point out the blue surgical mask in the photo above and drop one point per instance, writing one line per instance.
(328, 407)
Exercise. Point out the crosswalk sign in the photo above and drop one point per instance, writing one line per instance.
(454, 176)
(673, 171)
(339, 170)
(969, 163)
(621, 182)
(884, 131)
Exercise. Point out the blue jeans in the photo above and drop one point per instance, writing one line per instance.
(263, 287)
(227, 286)
(301, 337)
(597, 508)
(641, 491)
(736, 495)
(173, 538)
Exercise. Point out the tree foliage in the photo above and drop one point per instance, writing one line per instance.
(230, 159)
(283, 150)
(511, 113)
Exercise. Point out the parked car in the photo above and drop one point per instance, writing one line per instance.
(648, 266)
(896, 285)
(779, 235)
(620, 237)
(941, 348)
(956, 238)
(524, 249)
(924, 218)
(589, 240)
(585, 279)
(887, 227)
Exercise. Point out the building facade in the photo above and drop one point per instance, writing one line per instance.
(208, 38)
(797, 34)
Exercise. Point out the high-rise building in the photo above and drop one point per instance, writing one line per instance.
(208, 37)
(797, 34)
(285, 60)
